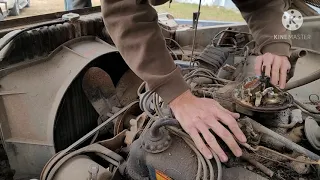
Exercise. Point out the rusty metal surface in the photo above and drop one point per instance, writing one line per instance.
(30, 117)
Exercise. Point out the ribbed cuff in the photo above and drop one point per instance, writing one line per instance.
(157, 2)
(173, 87)
(277, 48)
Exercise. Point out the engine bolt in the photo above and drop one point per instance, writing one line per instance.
(168, 138)
(159, 147)
(147, 146)
(152, 148)
(166, 143)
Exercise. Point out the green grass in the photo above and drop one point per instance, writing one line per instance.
(184, 11)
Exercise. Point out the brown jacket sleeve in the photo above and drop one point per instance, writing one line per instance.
(133, 26)
(264, 18)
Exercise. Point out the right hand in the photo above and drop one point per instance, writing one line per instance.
(198, 115)
(277, 68)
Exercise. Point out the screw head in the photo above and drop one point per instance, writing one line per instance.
(159, 146)
(147, 146)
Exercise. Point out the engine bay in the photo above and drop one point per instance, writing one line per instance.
(138, 137)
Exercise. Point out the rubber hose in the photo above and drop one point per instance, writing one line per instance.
(289, 144)
(155, 128)
(306, 108)
(309, 79)
(202, 160)
(219, 166)
(295, 55)
(186, 137)
(199, 169)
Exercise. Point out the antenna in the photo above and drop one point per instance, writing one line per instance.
(195, 34)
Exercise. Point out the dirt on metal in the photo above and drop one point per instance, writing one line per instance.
(5, 172)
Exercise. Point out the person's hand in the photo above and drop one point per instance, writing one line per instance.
(198, 115)
(276, 67)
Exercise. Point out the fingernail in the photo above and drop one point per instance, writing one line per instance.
(236, 115)
(224, 158)
(209, 156)
(238, 153)
(243, 138)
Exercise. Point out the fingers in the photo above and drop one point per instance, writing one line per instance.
(267, 63)
(276, 67)
(228, 118)
(194, 134)
(234, 115)
(226, 136)
(283, 74)
(233, 126)
(196, 116)
(258, 66)
(212, 142)
(275, 75)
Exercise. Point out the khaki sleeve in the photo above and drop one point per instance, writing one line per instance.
(133, 26)
(264, 18)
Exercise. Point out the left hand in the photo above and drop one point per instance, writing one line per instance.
(277, 68)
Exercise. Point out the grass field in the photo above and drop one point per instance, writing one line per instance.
(184, 11)
(178, 10)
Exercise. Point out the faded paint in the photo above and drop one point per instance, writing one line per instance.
(30, 114)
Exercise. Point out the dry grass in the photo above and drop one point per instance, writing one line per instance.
(184, 11)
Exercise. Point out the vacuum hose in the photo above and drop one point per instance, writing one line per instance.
(295, 55)
(155, 128)
(312, 77)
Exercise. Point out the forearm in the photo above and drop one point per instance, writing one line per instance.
(135, 31)
(264, 18)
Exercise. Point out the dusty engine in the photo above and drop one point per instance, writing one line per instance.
(138, 137)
